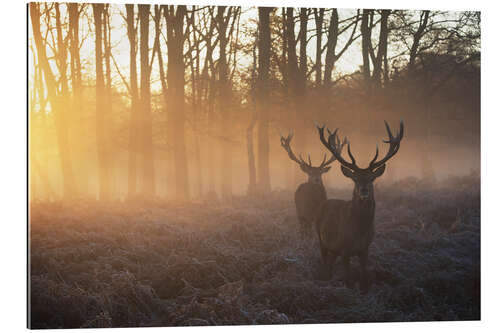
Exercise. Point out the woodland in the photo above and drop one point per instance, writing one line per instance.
(160, 193)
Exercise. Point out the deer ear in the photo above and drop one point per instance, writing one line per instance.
(379, 172)
(347, 172)
(325, 169)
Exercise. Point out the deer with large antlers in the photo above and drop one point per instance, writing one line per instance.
(309, 195)
(346, 228)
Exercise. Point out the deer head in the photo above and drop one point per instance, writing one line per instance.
(363, 177)
(314, 173)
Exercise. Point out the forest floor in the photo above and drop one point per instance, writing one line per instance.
(244, 262)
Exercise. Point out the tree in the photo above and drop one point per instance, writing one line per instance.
(439, 46)
(101, 116)
(57, 97)
(224, 94)
(373, 77)
(334, 32)
(297, 82)
(148, 171)
(264, 43)
(252, 172)
(78, 124)
(135, 102)
(175, 18)
(319, 15)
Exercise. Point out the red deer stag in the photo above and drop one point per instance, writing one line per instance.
(346, 228)
(310, 195)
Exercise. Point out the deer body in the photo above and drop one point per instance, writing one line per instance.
(310, 195)
(308, 198)
(346, 228)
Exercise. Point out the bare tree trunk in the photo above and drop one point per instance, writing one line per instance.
(148, 171)
(263, 96)
(366, 32)
(196, 91)
(57, 102)
(331, 45)
(134, 109)
(285, 118)
(78, 120)
(211, 126)
(32, 181)
(112, 154)
(304, 16)
(382, 48)
(252, 174)
(424, 19)
(208, 74)
(176, 82)
(163, 80)
(42, 166)
(222, 19)
(297, 86)
(101, 118)
(319, 18)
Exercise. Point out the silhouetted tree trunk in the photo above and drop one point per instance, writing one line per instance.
(112, 152)
(297, 86)
(211, 125)
(382, 48)
(101, 117)
(331, 45)
(332, 56)
(163, 79)
(264, 42)
(32, 181)
(366, 36)
(134, 108)
(196, 92)
(208, 77)
(417, 36)
(252, 172)
(175, 81)
(169, 155)
(57, 100)
(285, 116)
(304, 16)
(222, 20)
(319, 15)
(79, 123)
(148, 171)
(40, 163)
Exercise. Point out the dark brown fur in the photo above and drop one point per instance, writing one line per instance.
(346, 228)
(308, 198)
(310, 195)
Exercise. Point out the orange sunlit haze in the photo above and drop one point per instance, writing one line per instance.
(197, 165)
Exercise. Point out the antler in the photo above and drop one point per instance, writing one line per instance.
(393, 142)
(339, 147)
(335, 147)
(285, 143)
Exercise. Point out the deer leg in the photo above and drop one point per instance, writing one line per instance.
(346, 261)
(303, 226)
(331, 262)
(365, 280)
(326, 263)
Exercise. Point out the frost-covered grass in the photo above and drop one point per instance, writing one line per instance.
(243, 262)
